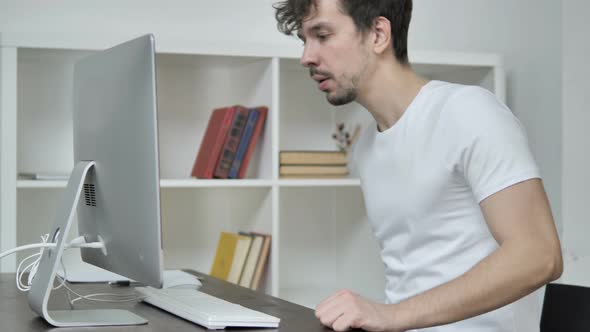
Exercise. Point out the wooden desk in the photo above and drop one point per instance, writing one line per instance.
(16, 316)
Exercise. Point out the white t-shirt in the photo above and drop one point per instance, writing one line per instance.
(423, 180)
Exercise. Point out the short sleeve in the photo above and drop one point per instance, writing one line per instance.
(491, 147)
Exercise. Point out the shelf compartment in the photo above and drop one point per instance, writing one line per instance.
(189, 88)
(327, 243)
(192, 220)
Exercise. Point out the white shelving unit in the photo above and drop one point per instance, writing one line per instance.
(321, 239)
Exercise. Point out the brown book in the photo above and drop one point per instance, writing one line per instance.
(312, 158)
(262, 262)
(299, 170)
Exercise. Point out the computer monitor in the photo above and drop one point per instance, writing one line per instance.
(114, 185)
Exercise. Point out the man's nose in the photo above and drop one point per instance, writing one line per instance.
(309, 57)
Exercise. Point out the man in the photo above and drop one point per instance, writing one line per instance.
(451, 188)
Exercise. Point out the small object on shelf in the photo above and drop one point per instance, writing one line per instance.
(44, 176)
(345, 139)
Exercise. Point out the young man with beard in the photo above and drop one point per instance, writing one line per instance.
(452, 191)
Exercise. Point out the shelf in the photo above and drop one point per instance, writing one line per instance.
(165, 183)
(216, 183)
(40, 184)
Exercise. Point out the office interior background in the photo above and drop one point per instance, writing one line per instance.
(544, 45)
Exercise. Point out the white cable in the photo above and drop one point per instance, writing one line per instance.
(19, 283)
(95, 245)
(78, 242)
(122, 297)
(26, 247)
(91, 297)
(33, 267)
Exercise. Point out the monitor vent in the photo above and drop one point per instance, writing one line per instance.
(89, 194)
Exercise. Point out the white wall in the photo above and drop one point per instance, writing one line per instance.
(249, 20)
(576, 141)
(527, 32)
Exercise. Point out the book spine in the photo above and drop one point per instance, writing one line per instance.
(312, 158)
(312, 170)
(231, 143)
(224, 255)
(262, 110)
(244, 141)
(262, 261)
(212, 141)
(251, 261)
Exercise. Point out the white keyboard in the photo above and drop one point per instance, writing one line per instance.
(204, 309)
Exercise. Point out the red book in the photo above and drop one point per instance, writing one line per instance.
(262, 110)
(232, 140)
(219, 123)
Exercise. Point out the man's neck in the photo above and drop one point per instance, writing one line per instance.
(389, 91)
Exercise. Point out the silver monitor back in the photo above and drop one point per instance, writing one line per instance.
(115, 125)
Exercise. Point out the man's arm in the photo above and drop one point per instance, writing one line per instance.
(529, 256)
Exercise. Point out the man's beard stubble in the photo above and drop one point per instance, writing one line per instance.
(347, 95)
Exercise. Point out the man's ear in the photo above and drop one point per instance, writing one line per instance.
(382, 31)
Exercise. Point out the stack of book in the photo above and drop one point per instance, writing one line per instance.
(313, 164)
(228, 142)
(241, 258)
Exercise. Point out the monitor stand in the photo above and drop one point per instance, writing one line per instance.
(43, 281)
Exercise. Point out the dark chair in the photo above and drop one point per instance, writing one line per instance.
(566, 308)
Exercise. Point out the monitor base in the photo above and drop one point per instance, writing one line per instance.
(98, 317)
(43, 280)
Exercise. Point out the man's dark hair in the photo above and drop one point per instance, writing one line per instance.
(291, 13)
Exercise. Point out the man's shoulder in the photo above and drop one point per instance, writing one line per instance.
(470, 98)
(454, 95)
(470, 106)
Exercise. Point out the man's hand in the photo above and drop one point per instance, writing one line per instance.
(346, 310)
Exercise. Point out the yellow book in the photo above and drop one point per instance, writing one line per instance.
(224, 255)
